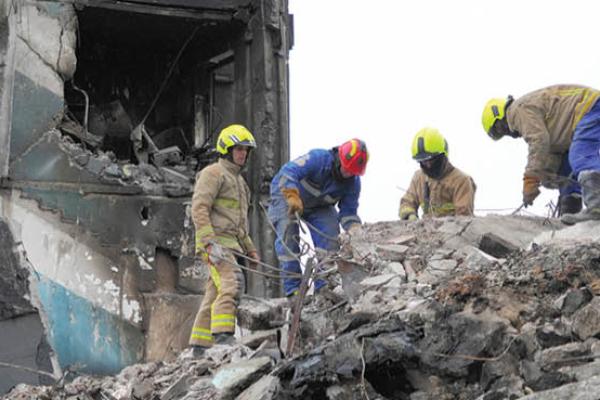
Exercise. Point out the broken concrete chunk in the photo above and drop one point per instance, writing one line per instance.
(572, 300)
(392, 252)
(537, 379)
(475, 259)
(377, 280)
(586, 321)
(179, 388)
(402, 239)
(582, 372)
(255, 339)
(461, 333)
(559, 356)
(142, 390)
(260, 314)
(553, 334)
(437, 271)
(585, 390)
(266, 388)
(233, 378)
(396, 268)
(496, 246)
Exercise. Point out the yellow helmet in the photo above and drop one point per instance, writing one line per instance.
(493, 111)
(428, 143)
(234, 135)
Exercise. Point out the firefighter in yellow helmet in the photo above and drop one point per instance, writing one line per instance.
(561, 125)
(438, 188)
(220, 215)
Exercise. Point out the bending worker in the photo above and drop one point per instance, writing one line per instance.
(561, 125)
(311, 186)
(220, 215)
(438, 188)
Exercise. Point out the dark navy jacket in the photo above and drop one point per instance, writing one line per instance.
(312, 175)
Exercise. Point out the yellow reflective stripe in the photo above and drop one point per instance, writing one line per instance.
(201, 234)
(407, 210)
(222, 320)
(442, 208)
(205, 230)
(227, 203)
(584, 107)
(223, 317)
(571, 92)
(216, 324)
(227, 241)
(202, 334)
(214, 274)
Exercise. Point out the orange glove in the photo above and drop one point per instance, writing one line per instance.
(254, 256)
(530, 189)
(294, 202)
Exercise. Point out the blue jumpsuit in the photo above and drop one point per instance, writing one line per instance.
(312, 175)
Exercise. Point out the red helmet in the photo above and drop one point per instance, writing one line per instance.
(354, 156)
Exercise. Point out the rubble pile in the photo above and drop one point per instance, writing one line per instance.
(459, 308)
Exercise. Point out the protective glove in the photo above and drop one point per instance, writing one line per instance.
(530, 189)
(215, 253)
(408, 214)
(255, 257)
(294, 202)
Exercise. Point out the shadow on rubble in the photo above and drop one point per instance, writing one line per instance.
(372, 359)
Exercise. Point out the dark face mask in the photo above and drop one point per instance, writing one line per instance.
(501, 129)
(435, 167)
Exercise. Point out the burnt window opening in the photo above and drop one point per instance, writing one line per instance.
(123, 59)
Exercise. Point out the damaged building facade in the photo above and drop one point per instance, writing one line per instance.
(108, 109)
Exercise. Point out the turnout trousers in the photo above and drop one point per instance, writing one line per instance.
(217, 311)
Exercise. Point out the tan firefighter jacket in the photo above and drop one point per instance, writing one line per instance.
(546, 119)
(220, 208)
(453, 194)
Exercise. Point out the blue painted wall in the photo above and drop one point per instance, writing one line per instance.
(86, 335)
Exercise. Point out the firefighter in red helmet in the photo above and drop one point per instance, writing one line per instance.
(322, 186)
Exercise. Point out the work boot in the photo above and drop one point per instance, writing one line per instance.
(590, 185)
(198, 351)
(570, 204)
(225, 338)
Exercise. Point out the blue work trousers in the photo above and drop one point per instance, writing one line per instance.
(324, 219)
(569, 184)
(584, 153)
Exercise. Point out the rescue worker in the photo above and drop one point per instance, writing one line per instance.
(438, 188)
(311, 186)
(561, 125)
(220, 215)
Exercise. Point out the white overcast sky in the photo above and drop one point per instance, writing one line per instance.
(380, 70)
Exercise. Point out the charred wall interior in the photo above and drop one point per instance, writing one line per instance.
(108, 111)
